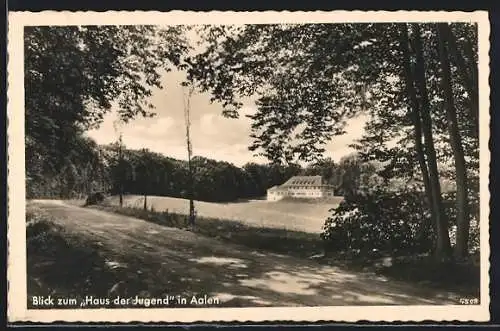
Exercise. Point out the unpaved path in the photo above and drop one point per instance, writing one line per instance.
(237, 275)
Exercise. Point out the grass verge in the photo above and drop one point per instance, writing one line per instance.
(62, 265)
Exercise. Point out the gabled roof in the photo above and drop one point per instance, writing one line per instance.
(304, 181)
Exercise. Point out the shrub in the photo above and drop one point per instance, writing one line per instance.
(392, 220)
(94, 198)
(379, 220)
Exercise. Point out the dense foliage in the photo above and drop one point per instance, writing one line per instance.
(382, 220)
(154, 174)
(76, 74)
(144, 172)
(390, 221)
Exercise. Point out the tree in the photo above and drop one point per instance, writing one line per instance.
(120, 166)
(308, 79)
(326, 168)
(415, 115)
(443, 241)
(466, 62)
(289, 68)
(257, 178)
(445, 39)
(146, 170)
(75, 74)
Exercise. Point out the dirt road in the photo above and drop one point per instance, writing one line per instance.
(177, 260)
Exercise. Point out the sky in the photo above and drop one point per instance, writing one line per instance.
(212, 135)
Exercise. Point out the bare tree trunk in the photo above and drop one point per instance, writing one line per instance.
(192, 213)
(88, 180)
(443, 248)
(121, 169)
(417, 123)
(463, 222)
(145, 202)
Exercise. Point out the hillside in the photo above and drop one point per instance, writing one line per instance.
(291, 215)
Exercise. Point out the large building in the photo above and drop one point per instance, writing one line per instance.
(308, 187)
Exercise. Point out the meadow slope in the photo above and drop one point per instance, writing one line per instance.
(289, 215)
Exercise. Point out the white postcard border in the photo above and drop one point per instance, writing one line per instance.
(17, 296)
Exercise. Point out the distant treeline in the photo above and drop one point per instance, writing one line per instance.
(89, 167)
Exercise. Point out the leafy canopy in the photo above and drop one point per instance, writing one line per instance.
(75, 74)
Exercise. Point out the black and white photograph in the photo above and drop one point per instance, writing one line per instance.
(297, 166)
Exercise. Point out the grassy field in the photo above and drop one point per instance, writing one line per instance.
(288, 215)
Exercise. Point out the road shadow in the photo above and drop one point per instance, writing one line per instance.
(135, 257)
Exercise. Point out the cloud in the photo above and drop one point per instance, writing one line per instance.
(207, 125)
(214, 130)
(151, 127)
(213, 135)
(106, 133)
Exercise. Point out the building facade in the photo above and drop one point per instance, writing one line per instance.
(305, 187)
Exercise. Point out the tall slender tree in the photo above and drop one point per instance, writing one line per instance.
(187, 119)
(443, 246)
(408, 74)
(462, 221)
(121, 162)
